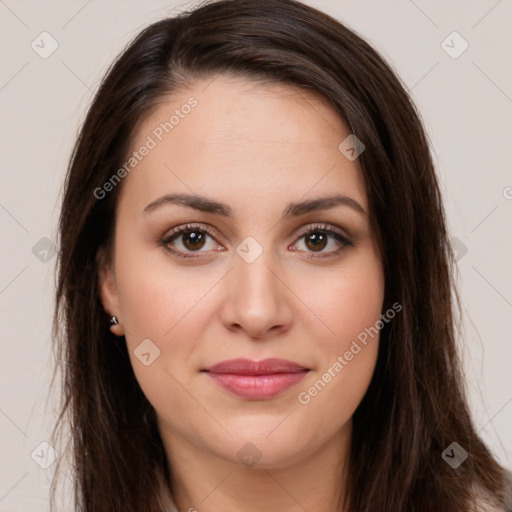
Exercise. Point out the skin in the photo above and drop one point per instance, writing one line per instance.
(256, 148)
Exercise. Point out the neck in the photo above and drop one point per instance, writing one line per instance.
(204, 481)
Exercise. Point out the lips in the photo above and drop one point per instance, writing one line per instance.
(256, 380)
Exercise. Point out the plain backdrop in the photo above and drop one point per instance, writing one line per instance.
(464, 97)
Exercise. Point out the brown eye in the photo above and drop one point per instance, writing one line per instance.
(316, 241)
(186, 240)
(193, 240)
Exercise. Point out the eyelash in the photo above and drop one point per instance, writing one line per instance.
(325, 229)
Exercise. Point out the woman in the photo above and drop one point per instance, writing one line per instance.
(254, 285)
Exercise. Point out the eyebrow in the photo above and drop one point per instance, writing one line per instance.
(207, 205)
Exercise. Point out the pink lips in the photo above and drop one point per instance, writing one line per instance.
(256, 380)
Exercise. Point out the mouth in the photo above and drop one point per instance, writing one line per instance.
(256, 380)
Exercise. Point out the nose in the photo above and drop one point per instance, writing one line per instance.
(257, 298)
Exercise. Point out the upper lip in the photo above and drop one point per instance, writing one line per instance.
(243, 366)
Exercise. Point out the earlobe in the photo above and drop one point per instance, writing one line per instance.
(115, 327)
(108, 292)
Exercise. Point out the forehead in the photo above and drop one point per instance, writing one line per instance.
(230, 134)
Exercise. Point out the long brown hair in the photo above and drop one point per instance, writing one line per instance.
(415, 406)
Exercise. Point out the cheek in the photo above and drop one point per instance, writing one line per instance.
(329, 400)
(156, 298)
(351, 306)
(348, 301)
(161, 303)
(333, 392)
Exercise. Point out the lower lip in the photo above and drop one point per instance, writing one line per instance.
(257, 387)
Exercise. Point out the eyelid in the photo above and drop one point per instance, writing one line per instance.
(212, 232)
(186, 227)
(323, 227)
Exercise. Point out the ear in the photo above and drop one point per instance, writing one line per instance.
(107, 287)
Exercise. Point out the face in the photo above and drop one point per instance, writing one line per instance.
(263, 270)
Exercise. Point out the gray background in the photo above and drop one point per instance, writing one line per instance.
(466, 104)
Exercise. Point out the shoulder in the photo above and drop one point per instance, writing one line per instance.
(485, 503)
(484, 506)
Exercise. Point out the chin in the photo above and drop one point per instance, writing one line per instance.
(263, 451)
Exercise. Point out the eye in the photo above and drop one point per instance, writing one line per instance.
(316, 238)
(188, 239)
(191, 238)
